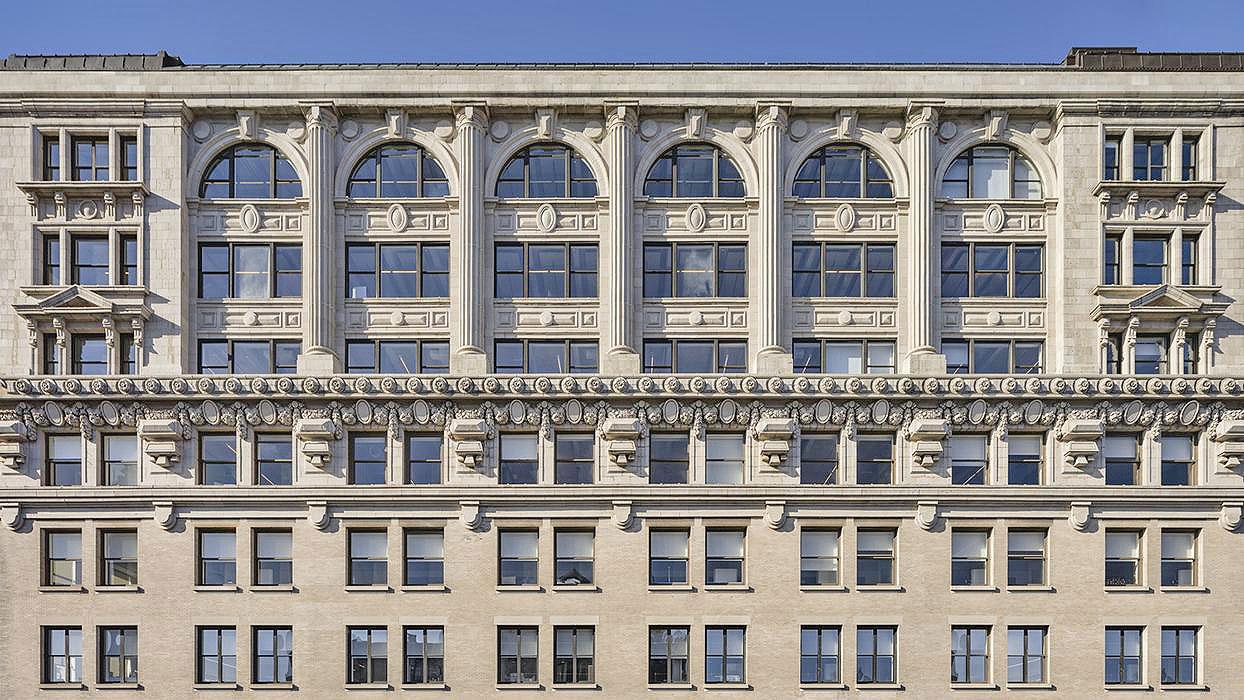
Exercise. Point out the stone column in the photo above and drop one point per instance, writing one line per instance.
(769, 287)
(467, 309)
(319, 290)
(921, 254)
(619, 299)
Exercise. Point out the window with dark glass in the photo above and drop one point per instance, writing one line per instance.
(546, 270)
(62, 654)
(667, 557)
(843, 356)
(668, 458)
(843, 171)
(1179, 558)
(64, 460)
(368, 458)
(974, 356)
(724, 649)
(575, 455)
(517, 655)
(218, 459)
(274, 460)
(274, 655)
(397, 356)
(250, 171)
(818, 557)
(842, 269)
(248, 356)
(127, 263)
(519, 557)
(250, 270)
(1111, 265)
(1151, 353)
(874, 557)
(991, 171)
(1121, 453)
(423, 459)
(968, 461)
(818, 459)
(397, 270)
(51, 259)
(424, 655)
(1025, 654)
(397, 170)
(51, 157)
(1124, 655)
(723, 556)
(695, 356)
(991, 270)
(1123, 558)
(89, 354)
(969, 654)
(274, 557)
(1179, 655)
(1023, 460)
(574, 655)
(369, 557)
(1188, 169)
(519, 463)
(88, 260)
(118, 558)
(1188, 260)
(1149, 260)
(50, 351)
(218, 558)
(874, 459)
(118, 655)
(129, 158)
(969, 557)
(697, 170)
(368, 648)
(819, 649)
(120, 467)
(127, 350)
(1149, 158)
(875, 655)
(62, 553)
(1110, 158)
(723, 459)
(573, 557)
(546, 356)
(90, 158)
(1025, 558)
(695, 270)
(425, 558)
(546, 171)
(1178, 460)
(668, 651)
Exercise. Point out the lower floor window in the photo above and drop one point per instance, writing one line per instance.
(1025, 655)
(425, 655)
(218, 655)
(723, 654)
(875, 654)
(969, 654)
(274, 655)
(517, 655)
(1123, 655)
(1179, 655)
(369, 655)
(62, 654)
(667, 655)
(118, 655)
(818, 655)
(574, 650)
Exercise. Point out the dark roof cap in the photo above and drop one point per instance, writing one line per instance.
(1127, 58)
(128, 61)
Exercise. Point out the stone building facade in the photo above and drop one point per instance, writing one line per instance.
(758, 380)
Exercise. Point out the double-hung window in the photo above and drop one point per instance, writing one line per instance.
(874, 459)
(1178, 460)
(424, 655)
(818, 459)
(218, 558)
(574, 655)
(969, 654)
(843, 356)
(369, 557)
(425, 558)
(218, 459)
(1121, 453)
(519, 558)
(876, 655)
(1179, 558)
(397, 270)
(819, 654)
(250, 270)
(62, 552)
(546, 270)
(1025, 654)
(1124, 655)
(724, 649)
(218, 655)
(64, 460)
(818, 557)
(274, 557)
(514, 356)
(573, 557)
(120, 466)
(1025, 557)
(874, 557)
(969, 557)
(695, 270)
(62, 654)
(668, 653)
(842, 269)
(368, 649)
(519, 463)
(667, 557)
(518, 655)
(668, 458)
(423, 458)
(1023, 466)
(968, 460)
(723, 556)
(1123, 558)
(118, 655)
(723, 459)
(369, 458)
(273, 655)
(120, 558)
(575, 457)
(274, 460)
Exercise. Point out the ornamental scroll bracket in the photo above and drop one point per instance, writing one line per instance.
(161, 440)
(471, 515)
(621, 440)
(1231, 515)
(927, 514)
(468, 435)
(1081, 436)
(318, 515)
(315, 435)
(12, 435)
(1081, 515)
(1230, 436)
(165, 513)
(775, 514)
(11, 514)
(927, 436)
(623, 514)
(775, 436)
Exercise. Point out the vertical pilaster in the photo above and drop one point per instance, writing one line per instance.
(467, 249)
(768, 287)
(620, 300)
(921, 254)
(319, 317)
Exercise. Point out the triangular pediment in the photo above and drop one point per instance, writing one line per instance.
(74, 298)
(1166, 298)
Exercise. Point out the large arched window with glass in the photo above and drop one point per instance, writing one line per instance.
(250, 171)
(843, 171)
(991, 171)
(546, 171)
(694, 170)
(397, 171)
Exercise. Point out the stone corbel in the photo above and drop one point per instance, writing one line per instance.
(395, 122)
(775, 436)
(110, 331)
(1081, 436)
(12, 435)
(623, 514)
(621, 439)
(161, 441)
(927, 514)
(317, 514)
(995, 123)
(696, 116)
(11, 514)
(775, 514)
(848, 123)
(247, 124)
(315, 436)
(471, 515)
(546, 122)
(165, 514)
(1230, 436)
(468, 435)
(927, 436)
(1231, 514)
(1081, 515)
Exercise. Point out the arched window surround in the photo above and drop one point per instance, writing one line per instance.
(222, 171)
(430, 182)
(880, 147)
(725, 177)
(1026, 145)
(528, 136)
(586, 179)
(865, 180)
(728, 144)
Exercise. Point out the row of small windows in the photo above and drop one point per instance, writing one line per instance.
(91, 157)
(551, 170)
(669, 459)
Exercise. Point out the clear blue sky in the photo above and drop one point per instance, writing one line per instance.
(258, 31)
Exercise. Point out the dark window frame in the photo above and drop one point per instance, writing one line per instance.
(280, 569)
(715, 273)
(377, 351)
(681, 151)
(570, 157)
(1013, 344)
(361, 569)
(867, 274)
(529, 573)
(277, 655)
(112, 569)
(570, 273)
(274, 351)
(873, 659)
(1019, 561)
(973, 273)
(569, 345)
(725, 657)
(375, 668)
(673, 343)
(100, 158)
(865, 352)
(573, 465)
(1030, 633)
(969, 155)
(203, 562)
(279, 464)
(378, 271)
(219, 656)
(432, 570)
(566, 565)
(275, 272)
(866, 156)
(826, 671)
(274, 183)
(73, 673)
(962, 670)
(126, 659)
(676, 667)
(1119, 663)
(526, 668)
(574, 668)
(389, 150)
(423, 658)
(1180, 677)
(353, 460)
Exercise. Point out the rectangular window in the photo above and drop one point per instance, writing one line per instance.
(519, 462)
(1111, 262)
(423, 459)
(128, 351)
(876, 655)
(668, 458)
(969, 557)
(723, 459)
(397, 356)
(992, 270)
(218, 459)
(517, 656)
(369, 557)
(118, 558)
(273, 655)
(120, 467)
(129, 158)
(1152, 354)
(1188, 260)
(424, 655)
(369, 458)
(274, 557)
(724, 649)
(51, 259)
(89, 354)
(88, 260)
(127, 260)
(667, 557)
(723, 556)
(1149, 260)
(544, 270)
(250, 270)
(969, 655)
(274, 460)
(968, 356)
(1122, 558)
(1149, 158)
(818, 557)
(62, 553)
(874, 459)
(90, 158)
(62, 654)
(695, 356)
(819, 649)
(425, 558)
(249, 356)
(874, 557)
(1124, 655)
(519, 558)
(1178, 460)
(397, 270)
(64, 460)
(1121, 453)
(1025, 558)
(575, 458)
(369, 655)
(51, 157)
(695, 270)
(1179, 655)
(843, 270)
(813, 356)
(968, 463)
(1179, 558)
(1023, 460)
(818, 459)
(1188, 169)
(574, 655)
(218, 655)
(51, 354)
(546, 356)
(1025, 654)
(668, 651)
(1110, 158)
(218, 558)
(118, 655)
(573, 557)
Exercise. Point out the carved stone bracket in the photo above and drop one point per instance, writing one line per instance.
(11, 514)
(165, 514)
(12, 435)
(1231, 515)
(775, 514)
(468, 435)
(1230, 436)
(161, 441)
(621, 439)
(623, 514)
(927, 436)
(1081, 515)
(1081, 436)
(471, 515)
(317, 514)
(927, 514)
(315, 434)
(775, 436)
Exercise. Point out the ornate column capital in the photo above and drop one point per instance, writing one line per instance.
(471, 115)
(620, 115)
(771, 115)
(320, 115)
(921, 115)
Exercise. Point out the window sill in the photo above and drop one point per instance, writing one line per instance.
(822, 686)
(218, 589)
(973, 589)
(1030, 686)
(1184, 589)
(519, 686)
(974, 686)
(62, 686)
(670, 686)
(272, 686)
(727, 686)
(879, 589)
(62, 589)
(576, 588)
(1197, 687)
(1029, 589)
(671, 588)
(730, 587)
(525, 588)
(823, 589)
(575, 686)
(216, 686)
(429, 588)
(424, 686)
(367, 686)
(118, 589)
(380, 588)
(879, 686)
(283, 588)
(1129, 687)
(1129, 589)
(119, 686)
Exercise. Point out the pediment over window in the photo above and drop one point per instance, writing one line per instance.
(1157, 304)
(79, 302)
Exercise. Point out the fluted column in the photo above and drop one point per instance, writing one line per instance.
(620, 299)
(768, 286)
(467, 250)
(319, 319)
(921, 252)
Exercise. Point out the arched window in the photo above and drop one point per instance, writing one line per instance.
(843, 171)
(694, 170)
(991, 171)
(250, 171)
(544, 171)
(398, 170)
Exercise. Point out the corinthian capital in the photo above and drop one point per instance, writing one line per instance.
(770, 116)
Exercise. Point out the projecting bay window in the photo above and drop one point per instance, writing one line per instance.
(1153, 157)
(546, 271)
(401, 270)
(835, 356)
(397, 356)
(248, 356)
(1150, 159)
(546, 357)
(972, 356)
(992, 270)
(695, 270)
(94, 259)
(100, 156)
(250, 270)
(842, 270)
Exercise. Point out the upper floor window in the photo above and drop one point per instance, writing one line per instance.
(843, 171)
(248, 356)
(668, 458)
(1150, 159)
(129, 158)
(991, 270)
(90, 158)
(398, 170)
(397, 270)
(843, 356)
(51, 157)
(369, 558)
(546, 171)
(965, 356)
(64, 460)
(546, 356)
(120, 460)
(695, 356)
(250, 271)
(543, 270)
(694, 170)
(695, 270)
(842, 269)
(968, 461)
(397, 356)
(992, 171)
(250, 171)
